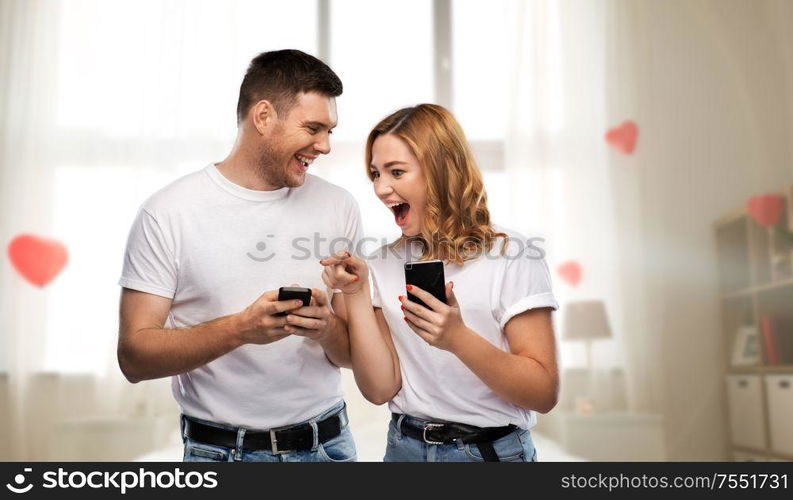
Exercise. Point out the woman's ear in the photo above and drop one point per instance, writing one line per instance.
(264, 115)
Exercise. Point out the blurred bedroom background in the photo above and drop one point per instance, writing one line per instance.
(648, 143)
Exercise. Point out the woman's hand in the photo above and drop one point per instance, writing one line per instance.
(441, 326)
(345, 272)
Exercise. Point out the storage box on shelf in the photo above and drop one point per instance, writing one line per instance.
(756, 282)
(779, 389)
(747, 419)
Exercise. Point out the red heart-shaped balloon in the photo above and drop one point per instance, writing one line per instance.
(623, 138)
(37, 259)
(766, 209)
(570, 271)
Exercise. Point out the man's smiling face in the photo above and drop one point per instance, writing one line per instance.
(297, 139)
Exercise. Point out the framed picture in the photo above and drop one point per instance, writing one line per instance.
(746, 349)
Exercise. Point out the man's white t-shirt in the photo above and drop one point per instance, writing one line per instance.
(490, 290)
(214, 247)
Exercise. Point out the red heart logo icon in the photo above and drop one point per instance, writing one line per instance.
(623, 138)
(570, 272)
(37, 259)
(766, 209)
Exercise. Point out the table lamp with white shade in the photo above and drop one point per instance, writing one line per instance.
(586, 320)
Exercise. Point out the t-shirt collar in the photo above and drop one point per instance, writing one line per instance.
(242, 192)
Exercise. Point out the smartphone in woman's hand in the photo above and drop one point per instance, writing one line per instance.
(427, 275)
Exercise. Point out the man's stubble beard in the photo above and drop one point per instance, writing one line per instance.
(273, 166)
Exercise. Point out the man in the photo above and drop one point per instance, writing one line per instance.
(252, 385)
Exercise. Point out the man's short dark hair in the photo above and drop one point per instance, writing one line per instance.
(280, 75)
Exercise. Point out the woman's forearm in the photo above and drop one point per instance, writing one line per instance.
(521, 380)
(374, 361)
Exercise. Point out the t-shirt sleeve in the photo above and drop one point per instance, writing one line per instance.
(525, 284)
(353, 231)
(149, 264)
(353, 234)
(377, 301)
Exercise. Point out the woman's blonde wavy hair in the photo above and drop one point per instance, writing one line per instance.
(456, 224)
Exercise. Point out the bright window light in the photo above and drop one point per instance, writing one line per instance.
(93, 211)
(480, 67)
(153, 69)
(382, 51)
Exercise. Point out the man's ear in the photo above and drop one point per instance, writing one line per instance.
(264, 115)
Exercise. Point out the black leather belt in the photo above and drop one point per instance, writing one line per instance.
(281, 440)
(453, 432)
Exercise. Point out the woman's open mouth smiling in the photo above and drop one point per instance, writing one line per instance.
(401, 211)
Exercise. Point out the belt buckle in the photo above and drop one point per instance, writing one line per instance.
(430, 426)
(274, 442)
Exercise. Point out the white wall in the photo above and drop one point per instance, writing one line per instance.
(712, 95)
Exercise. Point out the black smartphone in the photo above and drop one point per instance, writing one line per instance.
(292, 293)
(427, 275)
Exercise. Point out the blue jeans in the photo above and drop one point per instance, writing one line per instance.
(514, 447)
(338, 449)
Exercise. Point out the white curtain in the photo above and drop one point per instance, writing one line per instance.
(101, 104)
(27, 53)
(571, 81)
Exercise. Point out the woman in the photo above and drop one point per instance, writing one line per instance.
(463, 379)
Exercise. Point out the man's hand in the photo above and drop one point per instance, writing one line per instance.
(258, 323)
(313, 321)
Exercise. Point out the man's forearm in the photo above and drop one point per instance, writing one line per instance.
(336, 343)
(151, 353)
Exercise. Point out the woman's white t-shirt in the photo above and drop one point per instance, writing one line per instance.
(490, 290)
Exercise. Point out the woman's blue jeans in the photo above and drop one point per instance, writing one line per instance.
(514, 447)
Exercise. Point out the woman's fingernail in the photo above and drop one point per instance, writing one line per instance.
(400, 298)
(405, 318)
(409, 287)
(403, 307)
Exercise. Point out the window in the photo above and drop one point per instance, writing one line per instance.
(480, 61)
(158, 70)
(94, 208)
(383, 52)
(146, 92)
